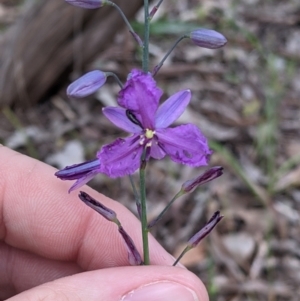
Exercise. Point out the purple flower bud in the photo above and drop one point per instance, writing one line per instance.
(89, 4)
(208, 38)
(87, 84)
(193, 242)
(107, 213)
(209, 175)
(134, 256)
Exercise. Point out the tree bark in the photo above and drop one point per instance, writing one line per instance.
(39, 48)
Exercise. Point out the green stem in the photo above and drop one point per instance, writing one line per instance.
(159, 217)
(146, 37)
(187, 248)
(144, 209)
(157, 67)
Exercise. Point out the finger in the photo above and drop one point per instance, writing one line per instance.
(38, 215)
(147, 283)
(20, 270)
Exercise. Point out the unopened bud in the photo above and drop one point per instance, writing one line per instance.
(107, 213)
(89, 4)
(87, 84)
(209, 175)
(208, 38)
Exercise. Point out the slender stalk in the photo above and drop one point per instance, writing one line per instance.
(157, 67)
(159, 217)
(131, 30)
(144, 209)
(146, 37)
(187, 248)
(116, 78)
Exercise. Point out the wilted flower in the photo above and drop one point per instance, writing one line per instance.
(107, 213)
(194, 241)
(89, 4)
(207, 176)
(87, 84)
(140, 115)
(208, 38)
(82, 172)
(134, 256)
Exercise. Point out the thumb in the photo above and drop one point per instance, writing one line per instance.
(147, 283)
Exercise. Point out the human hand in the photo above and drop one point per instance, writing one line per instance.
(53, 247)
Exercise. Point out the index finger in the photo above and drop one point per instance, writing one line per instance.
(38, 215)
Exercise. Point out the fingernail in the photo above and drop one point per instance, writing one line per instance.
(161, 291)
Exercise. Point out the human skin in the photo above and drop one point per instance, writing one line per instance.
(53, 247)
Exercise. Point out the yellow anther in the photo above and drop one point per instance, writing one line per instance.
(149, 134)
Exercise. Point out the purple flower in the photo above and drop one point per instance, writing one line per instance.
(208, 38)
(87, 84)
(82, 172)
(89, 4)
(140, 114)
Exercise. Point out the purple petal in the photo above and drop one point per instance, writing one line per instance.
(141, 96)
(83, 180)
(87, 84)
(172, 108)
(119, 118)
(77, 171)
(156, 151)
(184, 144)
(122, 157)
(89, 4)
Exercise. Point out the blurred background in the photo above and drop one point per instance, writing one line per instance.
(245, 100)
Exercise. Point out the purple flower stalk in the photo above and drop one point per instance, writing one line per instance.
(87, 84)
(82, 172)
(139, 114)
(89, 4)
(208, 38)
(134, 256)
(107, 213)
(207, 176)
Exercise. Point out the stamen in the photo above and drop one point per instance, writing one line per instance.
(149, 134)
(133, 119)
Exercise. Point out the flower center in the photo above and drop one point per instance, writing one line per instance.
(149, 134)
